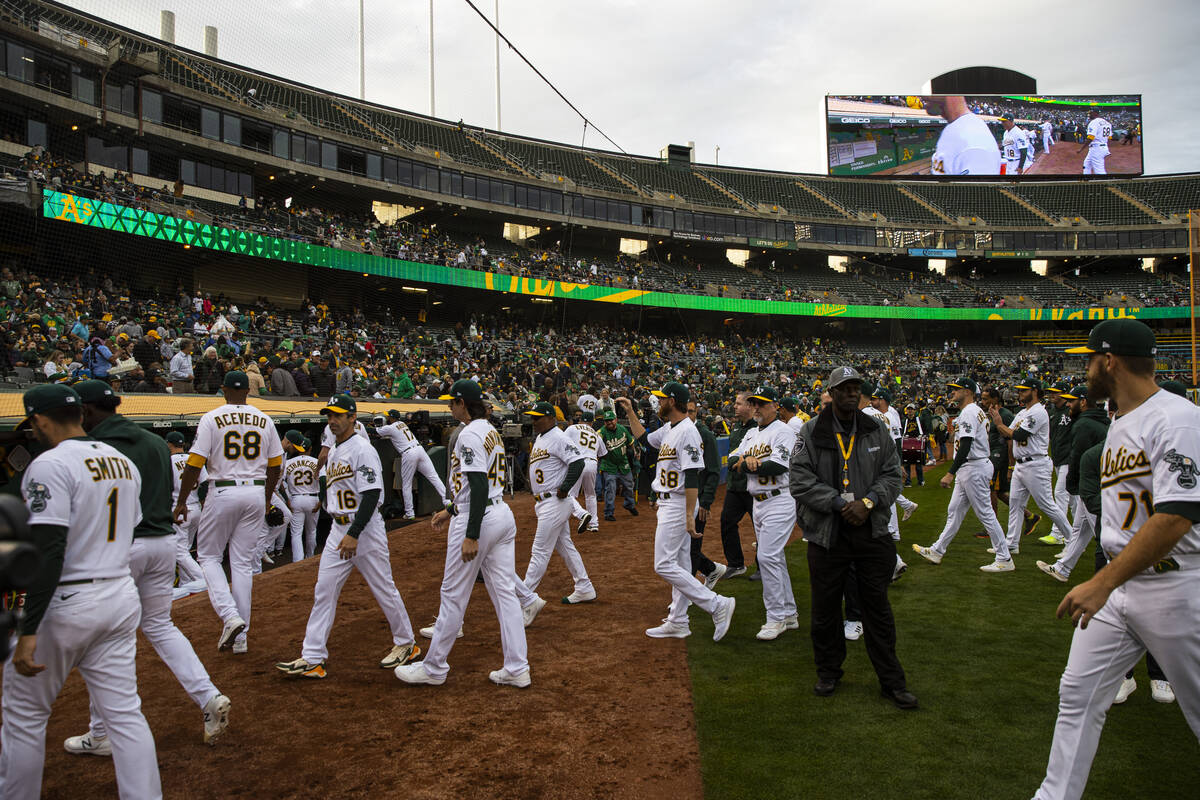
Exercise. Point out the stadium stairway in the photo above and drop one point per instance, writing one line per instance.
(1021, 201)
(1133, 201)
(500, 154)
(617, 176)
(725, 190)
(921, 201)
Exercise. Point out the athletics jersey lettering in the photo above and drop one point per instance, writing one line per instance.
(478, 448)
(352, 469)
(773, 443)
(549, 458)
(300, 475)
(236, 443)
(178, 465)
(679, 449)
(971, 422)
(107, 468)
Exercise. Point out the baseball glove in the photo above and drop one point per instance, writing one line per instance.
(274, 516)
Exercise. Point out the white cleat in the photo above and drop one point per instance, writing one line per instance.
(528, 613)
(852, 630)
(669, 630)
(1012, 551)
(216, 718)
(1162, 692)
(928, 553)
(1127, 688)
(416, 674)
(501, 677)
(774, 627)
(1052, 571)
(240, 647)
(576, 597)
(722, 617)
(88, 745)
(899, 569)
(998, 566)
(908, 512)
(584, 522)
(427, 631)
(719, 572)
(399, 654)
(232, 628)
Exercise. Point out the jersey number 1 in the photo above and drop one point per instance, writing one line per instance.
(111, 502)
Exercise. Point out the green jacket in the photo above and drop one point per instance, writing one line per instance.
(618, 441)
(402, 386)
(997, 444)
(150, 455)
(736, 481)
(710, 478)
(1060, 434)
(1089, 480)
(1088, 430)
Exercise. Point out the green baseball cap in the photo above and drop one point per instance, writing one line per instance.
(92, 390)
(307, 444)
(465, 389)
(296, 438)
(964, 383)
(607, 414)
(47, 397)
(882, 394)
(790, 403)
(677, 391)
(1032, 383)
(340, 404)
(542, 409)
(236, 379)
(1174, 387)
(765, 394)
(1121, 337)
(394, 413)
(1076, 393)
(175, 437)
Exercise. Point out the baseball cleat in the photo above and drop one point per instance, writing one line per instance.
(774, 627)
(734, 572)
(669, 630)
(528, 613)
(88, 745)
(240, 647)
(1128, 686)
(302, 669)
(1012, 551)
(577, 597)
(908, 512)
(501, 677)
(216, 718)
(1162, 692)
(928, 553)
(427, 631)
(400, 654)
(409, 517)
(1031, 522)
(718, 572)
(1050, 570)
(899, 569)
(416, 674)
(266, 558)
(852, 630)
(233, 627)
(584, 522)
(998, 566)
(722, 617)
(1052, 540)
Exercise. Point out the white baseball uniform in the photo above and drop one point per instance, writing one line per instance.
(301, 482)
(479, 448)
(885, 420)
(1014, 143)
(896, 430)
(1047, 136)
(352, 469)
(1099, 131)
(274, 536)
(185, 534)
(1031, 473)
(550, 456)
(587, 404)
(680, 448)
(774, 514)
(236, 443)
(972, 485)
(91, 620)
(1030, 141)
(591, 444)
(966, 147)
(1150, 465)
(413, 459)
(328, 439)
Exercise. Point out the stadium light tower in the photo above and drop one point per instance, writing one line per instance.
(498, 65)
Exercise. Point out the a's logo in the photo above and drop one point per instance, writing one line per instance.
(468, 456)
(367, 473)
(783, 451)
(39, 493)
(1185, 466)
(692, 451)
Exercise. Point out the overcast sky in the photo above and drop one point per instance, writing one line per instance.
(748, 76)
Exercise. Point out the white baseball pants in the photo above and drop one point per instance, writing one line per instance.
(1032, 479)
(233, 517)
(1062, 499)
(414, 460)
(152, 565)
(497, 560)
(374, 563)
(587, 485)
(303, 529)
(673, 562)
(972, 490)
(774, 519)
(1046, 142)
(1155, 612)
(554, 534)
(94, 629)
(1093, 164)
(1083, 530)
(189, 570)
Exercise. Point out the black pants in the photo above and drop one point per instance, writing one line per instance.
(919, 466)
(700, 562)
(737, 505)
(874, 560)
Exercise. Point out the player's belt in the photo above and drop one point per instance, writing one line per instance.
(1027, 459)
(243, 482)
(492, 501)
(544, 495)
(765, 495)
(342, 519)
(1186, 561)
(306, 494)
(81, 581)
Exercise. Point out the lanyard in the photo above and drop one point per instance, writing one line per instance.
(846, 451)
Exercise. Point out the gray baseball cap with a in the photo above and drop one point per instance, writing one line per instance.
(842, 375)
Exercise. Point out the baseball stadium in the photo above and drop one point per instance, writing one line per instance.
(181, 233)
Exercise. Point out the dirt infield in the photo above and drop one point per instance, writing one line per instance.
(609, 712)
(1066, 159)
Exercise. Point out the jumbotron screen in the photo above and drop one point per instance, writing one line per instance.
(1008, 135)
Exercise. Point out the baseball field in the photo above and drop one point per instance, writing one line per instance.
(612, 713)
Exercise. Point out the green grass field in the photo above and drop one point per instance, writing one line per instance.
(983, 653)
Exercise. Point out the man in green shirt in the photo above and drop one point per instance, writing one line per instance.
(615, 466)
(993, 397)
(710, 477)
(1060, 450)
(737, 502)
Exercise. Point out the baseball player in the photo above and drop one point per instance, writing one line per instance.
(1014, 145)
(241, 448)
(1150, 528)
(1099, 131)
(584, 436)
(614, 466)
(1030, 151)
(971, 474)
(867, 403)
(737, 502)
(588, 404)
(790, 413)
(765, 456)
(191, 577)
(1047, 135)
(1061, 421)
(327, 441)
(556, 463)
(151, 563)
(481, 537)
(965, 146)
(358, 540)
(301, 483)
(676, 482)
(275, 532)
(881, 401)
(413, 459)
(710, 478)
(1030, 434)
(82, 606)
